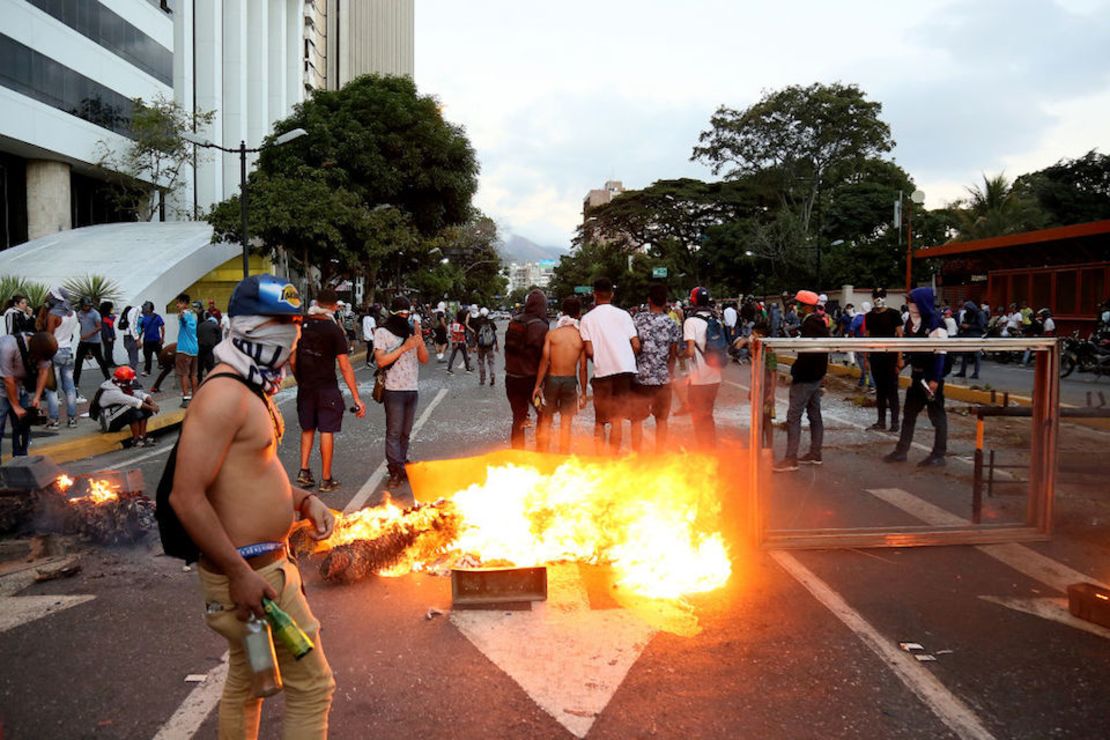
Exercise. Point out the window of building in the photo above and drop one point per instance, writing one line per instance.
(1093, 287)
(39, 77)
(1066, 291)
(94, 21)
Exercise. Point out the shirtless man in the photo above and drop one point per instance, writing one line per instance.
(231, 492)
(563, 357)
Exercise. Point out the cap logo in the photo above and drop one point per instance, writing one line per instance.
(290, 296)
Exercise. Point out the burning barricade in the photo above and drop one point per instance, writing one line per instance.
(656, 521)
(107, 507)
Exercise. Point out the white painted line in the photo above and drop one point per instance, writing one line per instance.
(364, 493)
(568, 658)
(147, 455)
(1023, 559)
(945, 705)
(197, 706)
(17, 610)
(1049, 608)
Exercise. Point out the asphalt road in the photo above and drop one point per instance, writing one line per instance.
(798, 645)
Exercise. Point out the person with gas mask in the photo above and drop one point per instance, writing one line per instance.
(926, 389)
(884, 322)
(231, 494)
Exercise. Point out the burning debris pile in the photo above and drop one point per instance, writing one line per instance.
(107, 507)
(106, 514)
(654, 520)
(378, 539)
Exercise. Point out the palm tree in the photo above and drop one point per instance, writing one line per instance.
(996, 208)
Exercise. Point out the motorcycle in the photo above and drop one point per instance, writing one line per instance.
(999, 356)
(1070, 348)
(1086, 355)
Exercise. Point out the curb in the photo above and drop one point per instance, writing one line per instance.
(100, 443)
(960, 393)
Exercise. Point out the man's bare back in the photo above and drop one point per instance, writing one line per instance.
(564, 349)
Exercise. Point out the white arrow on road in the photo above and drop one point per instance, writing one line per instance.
(568, 658)
(1049, 608)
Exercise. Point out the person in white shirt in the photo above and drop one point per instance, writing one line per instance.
(611, 343)
(731, 317)
(704, 379)
(122, 405)
(369, 324)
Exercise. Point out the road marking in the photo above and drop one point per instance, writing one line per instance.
(197, 706)
(568, 658)
(928, 688)
(364, 493)
(1049, 608)
(1023, 559)
(17, 610)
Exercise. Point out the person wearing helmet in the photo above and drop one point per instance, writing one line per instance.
(1042, 325)
(485, 336)
(231, 494)
(807, 375)
(119, 404)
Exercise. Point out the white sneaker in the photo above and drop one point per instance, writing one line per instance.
(81, 399)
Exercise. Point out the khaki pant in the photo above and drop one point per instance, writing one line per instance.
(309, 684)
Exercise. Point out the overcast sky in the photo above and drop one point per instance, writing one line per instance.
(558, 97)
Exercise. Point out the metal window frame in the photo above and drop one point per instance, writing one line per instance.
(1043, 450)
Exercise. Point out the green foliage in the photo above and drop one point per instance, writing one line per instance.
(154, 157)
(1072, 191)
(97, 288)
(996, 208)
(803, 139)
(11, 285)
(379, 174)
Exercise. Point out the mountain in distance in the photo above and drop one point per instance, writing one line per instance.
(517, 248)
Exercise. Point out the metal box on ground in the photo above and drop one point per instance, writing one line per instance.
(29, 473)
(1090, 602)
(475, 586)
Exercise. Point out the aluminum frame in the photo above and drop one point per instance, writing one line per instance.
(1043, 448)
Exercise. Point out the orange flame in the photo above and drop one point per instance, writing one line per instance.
(64, 482)
(655, 520)
(100, 492)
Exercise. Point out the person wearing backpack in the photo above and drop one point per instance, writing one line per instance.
(707, 351)
(486, 338)
(807, 375)
(612, 343)
(524, 340)
(128, 325)
(122, 405)
(226, 498)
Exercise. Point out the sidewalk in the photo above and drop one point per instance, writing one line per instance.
(86, 440)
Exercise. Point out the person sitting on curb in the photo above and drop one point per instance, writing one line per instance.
(120, 404)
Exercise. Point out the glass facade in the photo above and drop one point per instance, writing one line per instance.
(37, 76)
(96, 22)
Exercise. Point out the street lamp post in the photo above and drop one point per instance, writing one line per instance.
(917, 198)
(242, 150)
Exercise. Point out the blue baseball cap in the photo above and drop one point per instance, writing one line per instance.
(264, 295)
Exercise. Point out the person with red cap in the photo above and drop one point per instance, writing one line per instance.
(120, 404)
(807, 375)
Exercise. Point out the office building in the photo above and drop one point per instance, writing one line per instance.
(68, 73)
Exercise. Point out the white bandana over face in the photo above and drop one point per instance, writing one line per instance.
(259, 348)
(566, 321)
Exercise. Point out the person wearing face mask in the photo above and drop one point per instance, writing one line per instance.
(884, 322)
(926, 389)
(399, 350)
(232, 504)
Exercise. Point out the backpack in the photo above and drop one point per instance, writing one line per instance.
(516, 335)
(94, 405)
(123, 323)
(458, 332)
(487, 335)
(175, 540)
(716, 344)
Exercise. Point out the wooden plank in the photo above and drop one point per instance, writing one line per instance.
(934, 537)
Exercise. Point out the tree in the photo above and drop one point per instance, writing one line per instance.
(373, 144)
(996, 208)
(1072, 191)
(152, 162)
(803, 139)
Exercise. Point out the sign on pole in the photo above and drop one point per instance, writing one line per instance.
(659, 272)
(898, 213)
(583, 289)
